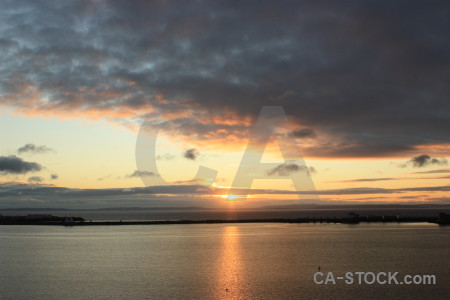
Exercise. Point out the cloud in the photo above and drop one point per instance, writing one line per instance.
(31, 148)
(35, 179)
(12, 194)
(369, 179)
(351, 191)
(440, 177)
(191, 154)
(104, 177)
(52, 196)
(205, 75)
(394, 178)
(54, 176)
(7, 190)
(138, 173)
(424, 160)
(303, 133)
(165, 156)
(433, 171)
(289, 168)
(15, 165)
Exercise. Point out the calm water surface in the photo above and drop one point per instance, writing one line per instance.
(220, 261)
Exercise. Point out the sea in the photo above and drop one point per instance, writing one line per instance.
(221, 261)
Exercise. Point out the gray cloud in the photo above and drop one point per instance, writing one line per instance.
(433, 171)
(138, 173)
(191, 154)
(369, 179)
(15, 165)
(54, 176)
(351, 191)
(394, 178)
(303, 133)
(425, 160)
(35, 179)
(165, 156)
(104, 177)
(15, 195)
(144, 60)
(8, 190)
(31, 148)
(289, 168)
(440, 177)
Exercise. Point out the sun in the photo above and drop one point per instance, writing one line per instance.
(232, 197)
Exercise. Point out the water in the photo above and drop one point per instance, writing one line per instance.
(219, 261)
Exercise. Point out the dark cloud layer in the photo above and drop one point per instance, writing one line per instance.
(11, 194)
(370, 77)
(15, 165)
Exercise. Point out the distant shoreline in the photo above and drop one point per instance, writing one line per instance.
(61, 221)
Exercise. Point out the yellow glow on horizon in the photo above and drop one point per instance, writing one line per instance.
(233, 197)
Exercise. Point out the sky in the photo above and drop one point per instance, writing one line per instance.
(362, 86)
